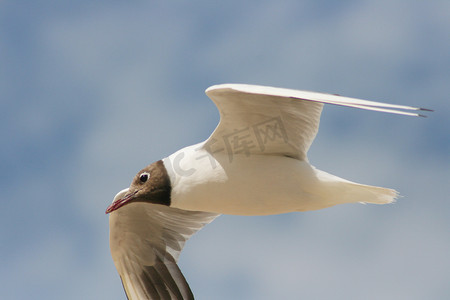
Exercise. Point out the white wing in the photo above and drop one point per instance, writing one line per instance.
(275, 121)
(146, 240)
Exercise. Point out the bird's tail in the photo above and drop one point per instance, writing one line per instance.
(344, 191)
(371, 194)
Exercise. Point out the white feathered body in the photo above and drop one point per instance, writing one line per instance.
(259, 184)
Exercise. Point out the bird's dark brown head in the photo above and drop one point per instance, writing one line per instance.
(151, 184)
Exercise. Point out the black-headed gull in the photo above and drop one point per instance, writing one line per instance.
(254, 163)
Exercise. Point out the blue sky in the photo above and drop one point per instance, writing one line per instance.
(92, 91)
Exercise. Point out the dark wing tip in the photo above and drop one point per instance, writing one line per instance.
(424, 109)
(162, 280)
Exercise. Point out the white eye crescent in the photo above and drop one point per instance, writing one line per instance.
(144, 177)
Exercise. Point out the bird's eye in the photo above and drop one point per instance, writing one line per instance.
(144, 177)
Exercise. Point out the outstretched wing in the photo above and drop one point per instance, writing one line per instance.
(146, 240)
(275, 121)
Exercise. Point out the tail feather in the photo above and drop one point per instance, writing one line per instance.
(341, 191)
(375, 195)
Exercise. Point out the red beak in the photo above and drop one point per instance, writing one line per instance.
(120, 202)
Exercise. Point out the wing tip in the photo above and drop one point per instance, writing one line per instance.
(424, 110)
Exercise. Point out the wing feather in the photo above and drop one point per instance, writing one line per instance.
(275, 121)
(146, 240)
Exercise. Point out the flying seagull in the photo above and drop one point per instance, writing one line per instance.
(254, 163)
